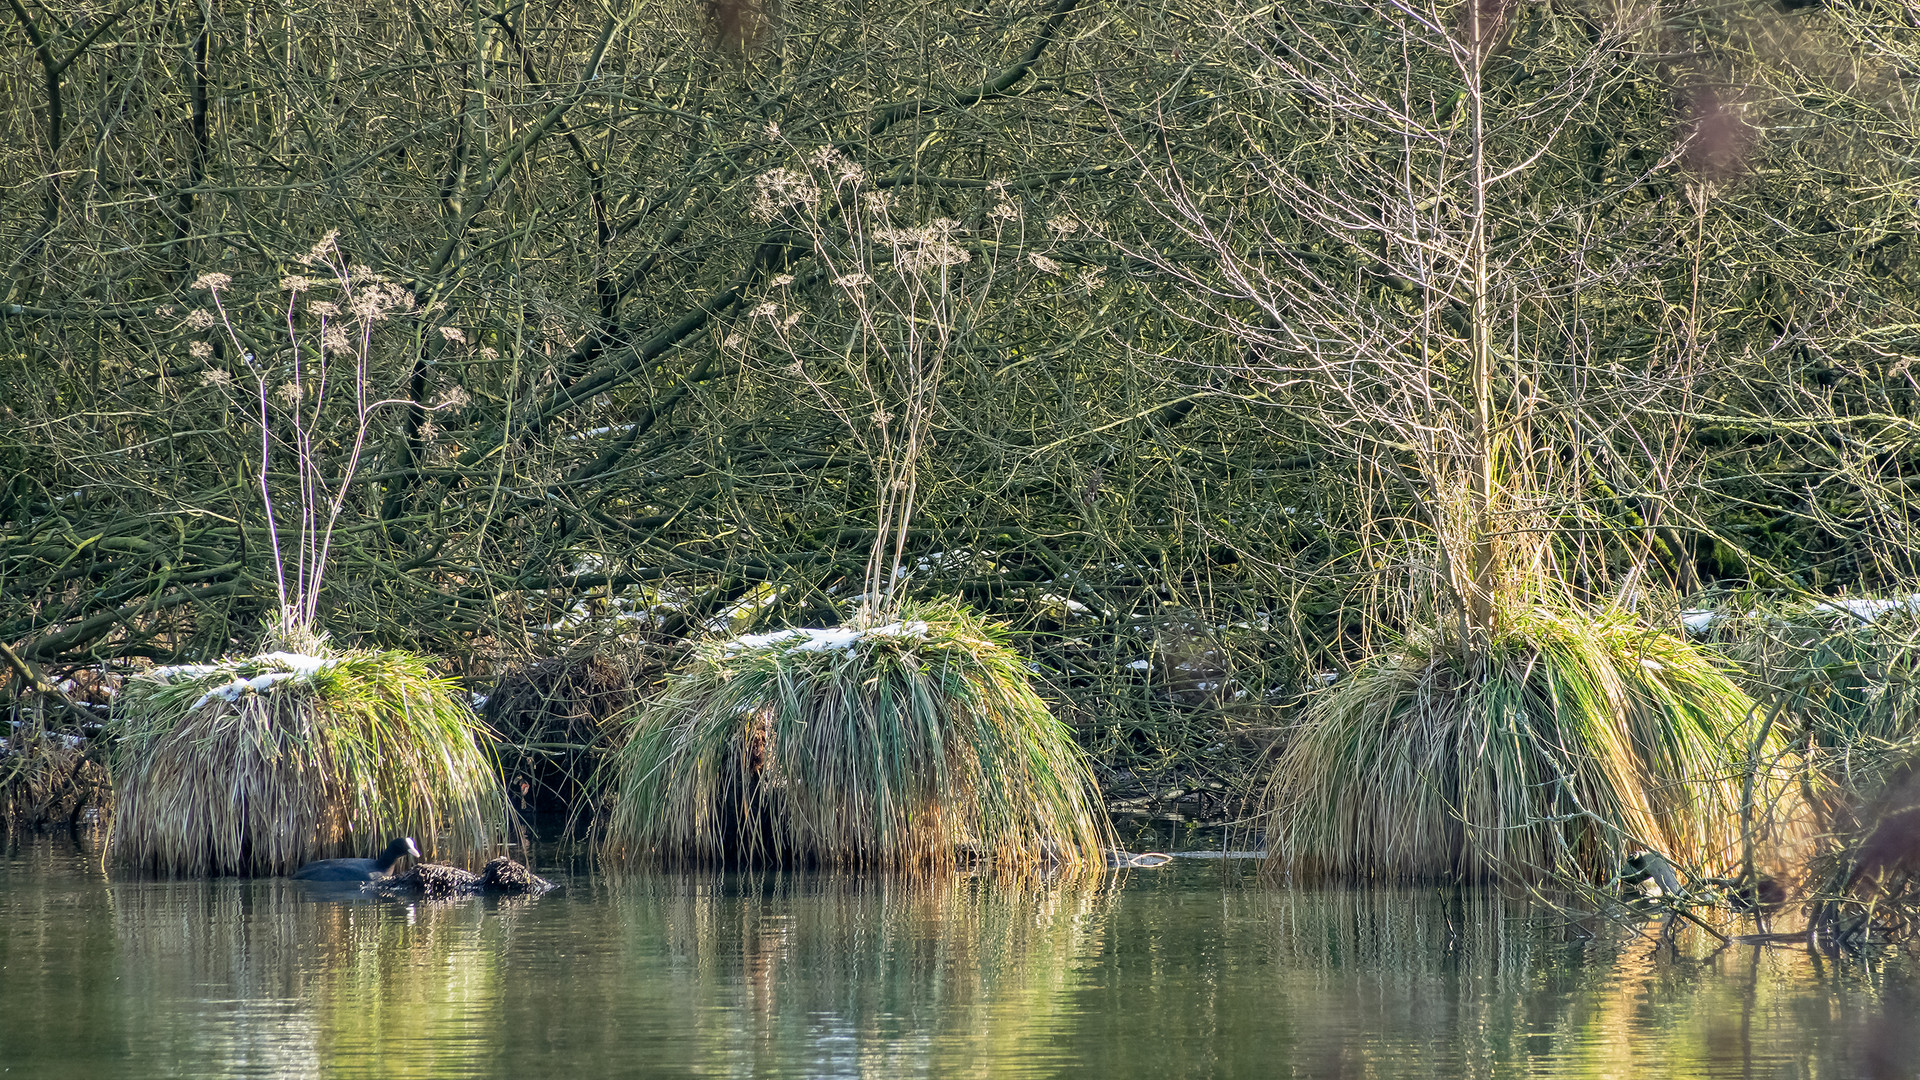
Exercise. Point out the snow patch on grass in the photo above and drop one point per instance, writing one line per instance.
(821, 639)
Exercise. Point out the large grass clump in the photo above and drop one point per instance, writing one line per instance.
(919, 743)
(261, 764)
(1571, 740)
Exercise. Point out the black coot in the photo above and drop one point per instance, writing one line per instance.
(358, 869)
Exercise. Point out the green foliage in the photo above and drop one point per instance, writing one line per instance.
(915, 744)
(1845, 673)
(314, 760)
(1170, 407)
(1574, 739)
(1841, 679)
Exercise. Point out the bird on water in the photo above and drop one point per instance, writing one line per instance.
(359, 869)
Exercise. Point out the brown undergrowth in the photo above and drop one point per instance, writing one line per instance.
(553, 718)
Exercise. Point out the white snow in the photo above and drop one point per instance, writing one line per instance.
(1870, 608)
(234, 690)
(976, 560)
(294, 667)
(1140, 665)
(71, 742)
(298, 663)
(1072, 606)
(820, 639)
(183, 671)
(1866, 609)
(593, 433)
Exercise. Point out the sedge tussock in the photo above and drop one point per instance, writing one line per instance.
(918, 744)
(1579, 738)
(258, 765)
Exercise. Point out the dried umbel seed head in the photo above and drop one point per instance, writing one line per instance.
(925, 247)
(322, 250)
(778, 190)
(333, 341)
(377, 297)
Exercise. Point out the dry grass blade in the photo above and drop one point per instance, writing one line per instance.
(1579, 738)
(918, 744)
(218, 774)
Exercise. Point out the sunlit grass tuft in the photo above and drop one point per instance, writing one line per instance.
(316, 758)
(1575, 739)
(917, 744)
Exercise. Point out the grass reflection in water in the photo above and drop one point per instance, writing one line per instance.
(1197, 970)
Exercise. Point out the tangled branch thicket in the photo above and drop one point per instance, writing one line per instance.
(1694, 328)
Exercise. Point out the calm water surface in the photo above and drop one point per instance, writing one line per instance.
(1197, 970)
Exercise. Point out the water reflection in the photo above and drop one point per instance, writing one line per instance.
(736, 975)
(210, 977)
(1200, 970)
(1437, 983)
(836, 976)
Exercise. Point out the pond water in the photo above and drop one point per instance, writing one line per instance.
(1199, 969)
